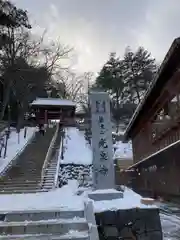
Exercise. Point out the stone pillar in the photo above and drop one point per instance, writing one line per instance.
(103, 174)
(103, 165)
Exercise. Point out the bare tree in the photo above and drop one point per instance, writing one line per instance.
(19, 46)
(35, 53)
(72, 86)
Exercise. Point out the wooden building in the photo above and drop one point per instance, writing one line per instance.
(54, 109)
(155, 132)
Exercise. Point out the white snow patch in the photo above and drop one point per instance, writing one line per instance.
(76, 150)
(105, 191)
(119, 133)
(13, 147)
(123, 150)
(64, 198)
(129, 201)
(53, 101)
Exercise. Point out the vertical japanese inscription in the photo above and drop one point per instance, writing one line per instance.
(102, 141)
(101, 110)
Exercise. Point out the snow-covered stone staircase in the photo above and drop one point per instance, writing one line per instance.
(45, 225)
(51, 170)
(24, 176)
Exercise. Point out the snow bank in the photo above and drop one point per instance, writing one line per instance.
(59, 199)
(13, 148)
(129, 201)
(123, 150)
(76, 150)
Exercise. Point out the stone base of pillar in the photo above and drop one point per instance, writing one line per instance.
(105, 195)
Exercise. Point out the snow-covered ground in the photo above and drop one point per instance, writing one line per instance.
(59, 199)
(171, 226)
(123, 150)
(13, 147)
(129, 201)
(66, 198)
(78, 151)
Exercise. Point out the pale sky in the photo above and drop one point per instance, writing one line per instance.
(94, 28)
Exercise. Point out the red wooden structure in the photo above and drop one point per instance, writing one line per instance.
(155, 132)
(54, 109)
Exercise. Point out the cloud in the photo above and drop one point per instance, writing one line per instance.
(95, 28)
(161, 27)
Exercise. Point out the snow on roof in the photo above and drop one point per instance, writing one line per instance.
(123, 150)
(77, 151)
(53, 102)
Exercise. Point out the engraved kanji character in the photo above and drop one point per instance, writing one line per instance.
(103, 156)
(97, 106)
(103, 106)
(103, 143)
(101, 119)
(103, 170)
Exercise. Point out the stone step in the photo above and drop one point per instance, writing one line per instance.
(52, 164)
(73, 235)
(48, 185)
(54, 226)
(49, 176)
(49, 179)
(48, 188)
(52, 170)
(22, 186)
(13, 191)
(19, 184)
(39, 215)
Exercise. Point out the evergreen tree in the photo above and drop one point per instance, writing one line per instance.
(126, 80)
(140, 70)
(12, 17)
(112, 79)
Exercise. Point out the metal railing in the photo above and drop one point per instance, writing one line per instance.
(48, 155)
(58, 163)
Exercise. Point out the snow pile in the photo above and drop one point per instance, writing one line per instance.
(76, 150)
(81, 173)
(64, 198)
(129, 201)
(123, 150)
(13, 147)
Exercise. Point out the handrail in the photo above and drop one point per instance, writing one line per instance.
(58, 163)
(48, 155)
